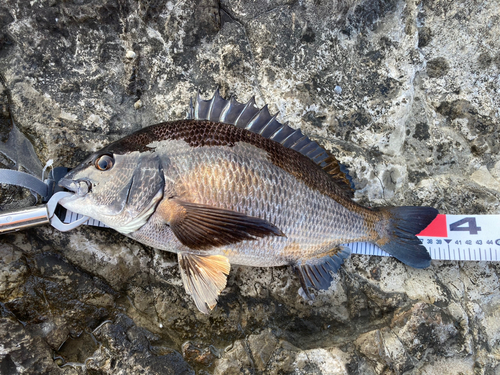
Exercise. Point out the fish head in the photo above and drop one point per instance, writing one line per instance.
(119, 189)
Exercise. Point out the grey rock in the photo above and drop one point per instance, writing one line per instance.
(416, 121)
(23, 352)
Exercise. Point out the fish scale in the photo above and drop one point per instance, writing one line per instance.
(311, 222)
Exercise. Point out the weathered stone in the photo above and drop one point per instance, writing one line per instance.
(12, 271)
(262, 347)
(21, 352)
(412, 335)
(405, 94)
(198, 354)
(236, 360)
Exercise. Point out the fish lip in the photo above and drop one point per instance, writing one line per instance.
(68, 184)
(76, 186)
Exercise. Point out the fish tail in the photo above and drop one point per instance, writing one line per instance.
(399, 239)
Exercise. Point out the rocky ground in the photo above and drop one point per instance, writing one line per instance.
(406, 93)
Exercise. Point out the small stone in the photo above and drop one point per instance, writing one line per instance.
(138, 104)
(197, 353)
(495, 170)
(59, 361)
(13, 271)
(338, 90)
(484, 178)
(130, 55)
(262, 347)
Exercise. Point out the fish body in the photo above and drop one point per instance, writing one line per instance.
(231, 185)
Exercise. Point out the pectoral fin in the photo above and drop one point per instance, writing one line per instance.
(204, 277)
(199, 226)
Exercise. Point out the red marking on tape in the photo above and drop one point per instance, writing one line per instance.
(437, 228)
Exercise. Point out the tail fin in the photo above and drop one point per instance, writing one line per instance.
(404, 223)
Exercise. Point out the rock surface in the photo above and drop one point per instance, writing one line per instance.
(405, 93)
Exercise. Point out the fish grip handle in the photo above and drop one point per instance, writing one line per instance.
(12, 221)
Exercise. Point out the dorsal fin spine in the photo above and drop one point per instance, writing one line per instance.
(225, 111)
(287, 137)
(248, 104)
(212, 101)
(290, 137)
(295, 145)
(196, 106)
(261, 116)
(313, 146)
(252, 112)
(279, 132)
(276, 132)
(267, 124)
(312, 153)
(252, 121)
(190, 113)
(321, 154)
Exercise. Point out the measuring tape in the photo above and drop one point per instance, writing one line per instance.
(69, 217)
(453, 237)
(448, 237)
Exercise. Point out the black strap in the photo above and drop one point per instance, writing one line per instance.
(25, 180)
(35, 185)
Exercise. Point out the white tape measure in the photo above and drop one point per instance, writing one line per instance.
(69, 217)
(453, 237)
(448, 237)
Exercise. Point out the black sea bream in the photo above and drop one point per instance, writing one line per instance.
(231, 185)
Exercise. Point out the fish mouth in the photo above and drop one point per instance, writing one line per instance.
(80, 187)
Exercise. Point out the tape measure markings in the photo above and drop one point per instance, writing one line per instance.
(71, 216)
(465, 237)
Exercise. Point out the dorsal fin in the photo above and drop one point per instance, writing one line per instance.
(260, 121)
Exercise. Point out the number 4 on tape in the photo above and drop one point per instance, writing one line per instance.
(471, 228)
(439, 227)
(459, 223)
(463, 237)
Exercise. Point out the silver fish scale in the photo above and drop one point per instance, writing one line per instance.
(242, 179)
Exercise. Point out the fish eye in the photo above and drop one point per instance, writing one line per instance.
(104, 162)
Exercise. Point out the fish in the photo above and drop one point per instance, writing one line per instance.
(229, 185)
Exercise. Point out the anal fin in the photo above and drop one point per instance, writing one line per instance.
(204, 277)
(316, 272)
